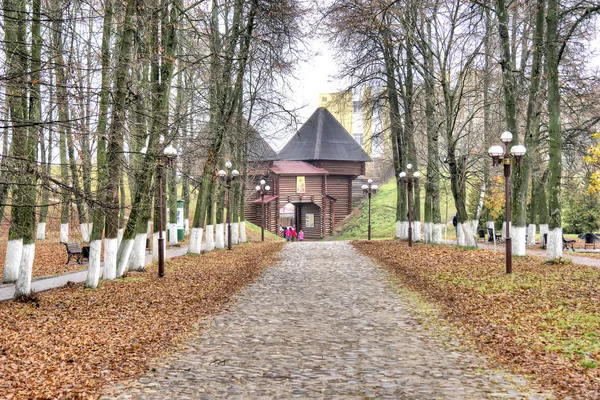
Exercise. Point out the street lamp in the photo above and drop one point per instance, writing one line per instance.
(166, 160)
(502, 156)
(409, 179)
(261, 190)
(369, 189)
(226, 177)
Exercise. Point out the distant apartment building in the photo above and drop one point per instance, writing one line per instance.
(361, 114)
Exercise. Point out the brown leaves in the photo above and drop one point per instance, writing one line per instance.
(542, 320)
(77, 340)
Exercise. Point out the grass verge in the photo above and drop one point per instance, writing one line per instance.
(542, 321)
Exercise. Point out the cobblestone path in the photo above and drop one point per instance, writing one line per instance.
(322, 323)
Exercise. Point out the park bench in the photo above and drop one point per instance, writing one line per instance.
(566, 242)
(590, 240)
(75, 252)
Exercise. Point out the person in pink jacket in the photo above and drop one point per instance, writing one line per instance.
(301, 235)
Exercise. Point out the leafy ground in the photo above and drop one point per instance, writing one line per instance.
(73, 341)
(542, 321)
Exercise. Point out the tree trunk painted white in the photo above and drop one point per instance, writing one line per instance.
(41, 231)
(85, 232)
(219, 236)
(120, 236)
(137, 259)
(402, 230)
(243, 232)
(543, 230)
(226, 234)
(210, 237)
(531, 228)
(122, 255)
(173, 234)
(467, 234)
(149, 229)
(12, 261)
(155, 245)
(195, 246)
(436, 235)
(519, 243)
(186, 226)
(555, 244)
(93, 274)
(427, 231)
(23, 285)
(460, 235)
(64, 233)
(110, 258)
(416, 231)
(235, 234)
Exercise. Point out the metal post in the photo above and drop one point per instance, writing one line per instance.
(262, 225)
(369, 228)
(508, 241)
(409, 184)
(228, 214)
(161, 239)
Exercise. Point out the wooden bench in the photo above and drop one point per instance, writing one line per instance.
(492, 236)
(567, 243)
(74, 251)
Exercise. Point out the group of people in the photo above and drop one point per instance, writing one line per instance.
(290, 234)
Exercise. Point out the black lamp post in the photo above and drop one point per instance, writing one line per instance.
(409, 179)
(262, 189)
(228, 178)
(369, 190)
(502, 156)
(166, 160)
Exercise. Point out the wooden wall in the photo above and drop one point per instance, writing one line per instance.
(341, 167)
(339, 187)
(309, 208)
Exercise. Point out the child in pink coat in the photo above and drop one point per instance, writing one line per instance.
(301, 235)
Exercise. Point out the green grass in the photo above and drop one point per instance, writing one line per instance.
(383, 214)
(256, 230)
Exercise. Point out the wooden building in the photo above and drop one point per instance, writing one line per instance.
(314, 174)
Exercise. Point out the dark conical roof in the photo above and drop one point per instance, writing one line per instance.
(322, 137)
(259, 149)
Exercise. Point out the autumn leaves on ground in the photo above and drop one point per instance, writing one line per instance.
(74, 341)
(543, 320)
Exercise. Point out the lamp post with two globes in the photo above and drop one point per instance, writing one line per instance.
(409, 179)
(262, 189)
(503, 156)
(369, 190)
(227, 178)
(165, 160)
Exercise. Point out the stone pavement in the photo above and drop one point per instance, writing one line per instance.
(322, 323)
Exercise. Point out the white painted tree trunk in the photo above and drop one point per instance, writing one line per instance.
(12, 261)
(110, 258)
(460, 235)
(137, 259)
(555, 244)
(23, 285)
(226, 234)
(41, 231)
(149, 228)
(427, 232)
(121, 257)
(402, 230)
(436, 235)
(416, 231)
(120, 232)
(210, 237)
(93, 274)
(186, 226)
(243, 232)
(195, 246)
(173, 234)
(235, 233)
(467, 234)
(219, 236)
(543, 230)
(155, 245)
(519, 243)
(85, 232)
(64, 233)
(531, 228)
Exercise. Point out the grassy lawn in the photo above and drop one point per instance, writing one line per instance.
(543, 320)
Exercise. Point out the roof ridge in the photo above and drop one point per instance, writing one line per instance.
(319, 133)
